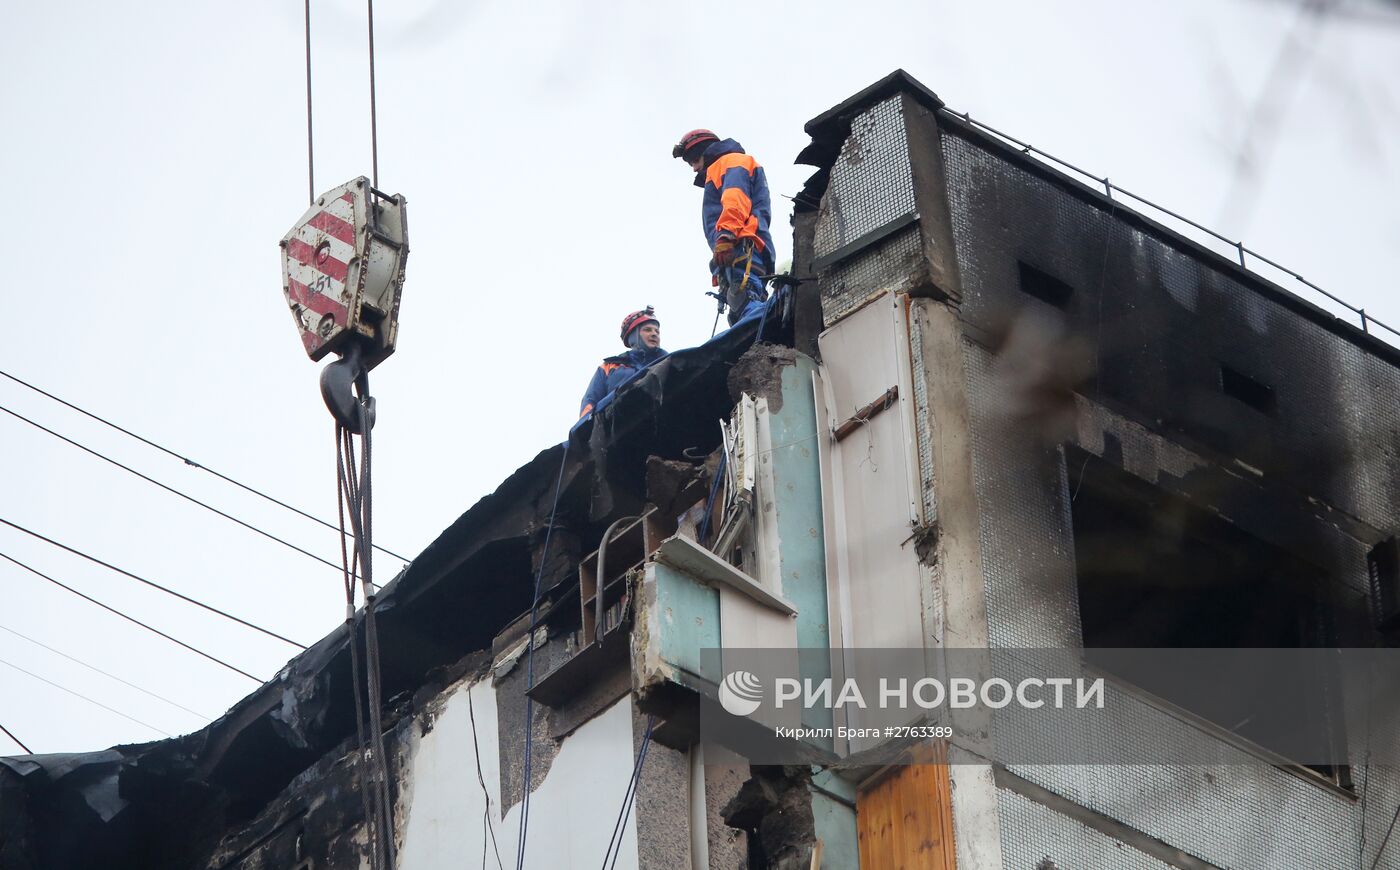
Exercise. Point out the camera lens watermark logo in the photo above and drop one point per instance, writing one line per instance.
(740, 693)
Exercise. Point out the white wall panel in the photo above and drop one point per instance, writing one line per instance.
(572, 813)
(876, 571)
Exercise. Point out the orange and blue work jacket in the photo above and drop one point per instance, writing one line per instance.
(614, 372)
(736, 201)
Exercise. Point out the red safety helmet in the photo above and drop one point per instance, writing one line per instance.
(691, 139)
(636, 319)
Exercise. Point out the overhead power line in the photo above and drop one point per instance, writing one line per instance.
(86, 698)
(170, 489)
(128, 618)
(196, 602)
(104, 673)
(185, 459)
(17, 741)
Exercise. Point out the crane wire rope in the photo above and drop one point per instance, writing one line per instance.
(344, 446)
(522, 835)
(355, 492)
(373, 118)
(358, 495)
(86, 698)
(20, 743)
(96, 669)
(170, 489)
(133, 619)
(185, 459)
(310, 154)
(196, 602)
(375, 682)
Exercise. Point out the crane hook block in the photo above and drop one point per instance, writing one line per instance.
(343, 269)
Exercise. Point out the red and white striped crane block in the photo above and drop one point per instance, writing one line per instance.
(343, 270)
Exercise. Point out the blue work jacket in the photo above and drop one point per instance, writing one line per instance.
(614, 372)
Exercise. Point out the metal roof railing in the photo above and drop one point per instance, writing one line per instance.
(1241, 250)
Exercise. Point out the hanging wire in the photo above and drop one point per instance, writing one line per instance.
(1388, 831)
(373, 125)
(485, 793)
(628, 800)
(310, 155)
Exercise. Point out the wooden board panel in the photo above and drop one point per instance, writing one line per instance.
(905, 819)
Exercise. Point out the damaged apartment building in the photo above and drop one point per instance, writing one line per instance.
(1007, 411)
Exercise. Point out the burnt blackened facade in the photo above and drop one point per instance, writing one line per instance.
(1123, 439)
(1006, 411)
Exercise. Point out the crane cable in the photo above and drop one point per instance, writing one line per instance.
(373, 109)
(310, 154)
(373, 122)
(342, 447)
(356, 494)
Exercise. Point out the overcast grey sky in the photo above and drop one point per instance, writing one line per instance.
(156, 153)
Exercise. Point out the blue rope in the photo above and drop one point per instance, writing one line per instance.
(710, 502)
(530, 672)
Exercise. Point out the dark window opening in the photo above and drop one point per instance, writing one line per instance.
(1156, 571)
(1044, 286)
(1383, 563)
(1257, 395)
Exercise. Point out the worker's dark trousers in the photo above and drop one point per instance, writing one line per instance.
(741, 291)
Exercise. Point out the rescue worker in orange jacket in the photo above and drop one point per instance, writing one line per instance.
(735, 211)
(641, 333)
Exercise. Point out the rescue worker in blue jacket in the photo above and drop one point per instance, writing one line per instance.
(736, 212)
(641, 333)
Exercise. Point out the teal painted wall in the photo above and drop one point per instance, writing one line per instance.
(802, 546)
(836, 821)
(797, 476)
(688, 613)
